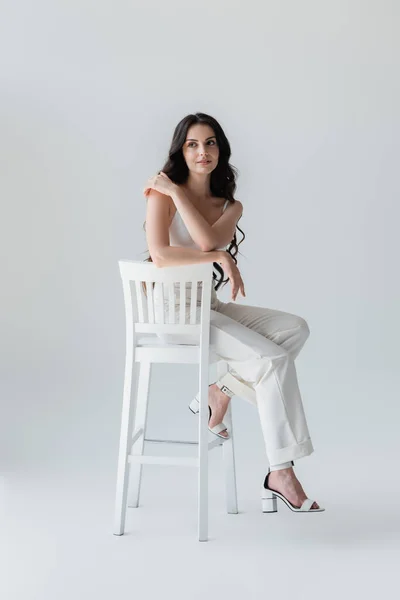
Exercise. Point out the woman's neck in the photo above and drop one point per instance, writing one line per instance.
(198, 188)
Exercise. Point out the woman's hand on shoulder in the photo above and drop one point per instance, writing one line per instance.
(161, 183)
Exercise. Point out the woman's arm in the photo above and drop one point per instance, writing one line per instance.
(163, 255)
(157, 234)
(207, 237)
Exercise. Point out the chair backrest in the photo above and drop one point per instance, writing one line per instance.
(175, 300)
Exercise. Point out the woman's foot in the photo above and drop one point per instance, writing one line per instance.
(218, 401)
(286, 482)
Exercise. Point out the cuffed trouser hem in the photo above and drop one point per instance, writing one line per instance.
(281, 466)
(282, 455)
(238, 388)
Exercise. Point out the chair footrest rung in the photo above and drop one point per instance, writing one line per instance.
(171, 441)
(177, 461)
(211, 445)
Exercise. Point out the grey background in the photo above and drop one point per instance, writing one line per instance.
(308, 95)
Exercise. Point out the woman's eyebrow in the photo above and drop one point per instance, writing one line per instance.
(193, 140)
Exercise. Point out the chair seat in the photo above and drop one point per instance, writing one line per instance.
(159, 341)
(148, 341)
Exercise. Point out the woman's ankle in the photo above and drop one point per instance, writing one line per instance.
(218, 393)
(221, 386)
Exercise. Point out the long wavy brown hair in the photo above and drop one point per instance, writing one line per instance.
(222, 180)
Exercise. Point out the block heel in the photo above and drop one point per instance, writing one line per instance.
(269, 503)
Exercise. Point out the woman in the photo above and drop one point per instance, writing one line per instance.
(191, 217)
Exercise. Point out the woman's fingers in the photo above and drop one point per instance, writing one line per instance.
(235, 280)
(235, 290)
(237, 286)
(147, 187)
(150, 183)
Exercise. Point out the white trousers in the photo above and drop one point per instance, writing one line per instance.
(260, 346)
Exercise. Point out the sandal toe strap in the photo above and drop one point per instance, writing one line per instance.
(218, 428)
(307, 504)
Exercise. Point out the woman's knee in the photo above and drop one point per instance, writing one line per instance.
(303, 325)
(299, 326)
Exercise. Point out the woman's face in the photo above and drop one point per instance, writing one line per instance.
(201, 145)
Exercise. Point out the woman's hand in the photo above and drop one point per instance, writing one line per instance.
(233, 273)
(161, 183)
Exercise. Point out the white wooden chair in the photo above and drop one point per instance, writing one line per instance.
(185, 310)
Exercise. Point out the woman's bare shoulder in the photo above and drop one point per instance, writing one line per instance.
(219, 201)
(238, 206)
(158, 197)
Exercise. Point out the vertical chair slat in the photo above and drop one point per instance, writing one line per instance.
(193, 303)
(150, 301)
(182, 302)
(171, 303)
(139, 300)
(162, 307)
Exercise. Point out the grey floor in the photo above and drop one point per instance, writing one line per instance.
(57, 494)
(59, 544)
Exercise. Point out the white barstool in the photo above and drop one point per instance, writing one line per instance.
(147, 320)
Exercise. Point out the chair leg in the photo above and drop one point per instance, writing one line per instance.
(203, 453)
(135, 478)
(228, 452)
(128, 409)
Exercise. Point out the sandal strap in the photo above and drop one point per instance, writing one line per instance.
(224, 389)
(307, 504)
(222, 425)
(218, 428)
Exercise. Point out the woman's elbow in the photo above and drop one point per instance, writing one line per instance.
(157, 258)
(208, 246)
